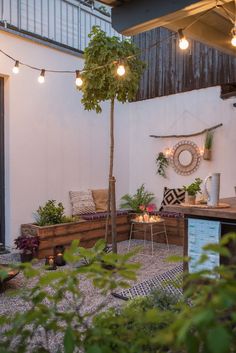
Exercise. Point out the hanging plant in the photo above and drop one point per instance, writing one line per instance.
(162, 163)
(208, 145)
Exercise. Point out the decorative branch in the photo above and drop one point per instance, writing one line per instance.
(189, 135)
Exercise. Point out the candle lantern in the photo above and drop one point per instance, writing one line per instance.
(58, 253)
(50, 262)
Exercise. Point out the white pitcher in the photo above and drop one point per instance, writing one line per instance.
(214, 194)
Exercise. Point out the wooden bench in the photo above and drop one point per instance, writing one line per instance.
(92, 228)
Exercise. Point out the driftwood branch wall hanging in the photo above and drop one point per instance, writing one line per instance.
(185, 156)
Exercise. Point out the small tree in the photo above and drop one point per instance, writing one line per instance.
(101, 83)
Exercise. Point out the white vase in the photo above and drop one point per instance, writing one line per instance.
(213, 194)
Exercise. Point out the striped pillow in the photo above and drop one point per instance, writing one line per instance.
(82, 202)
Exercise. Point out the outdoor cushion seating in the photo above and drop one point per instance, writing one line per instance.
(100, 197)
(172, 196)
(101, 215)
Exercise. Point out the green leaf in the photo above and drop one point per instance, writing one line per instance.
(69, 340)
(218, 340)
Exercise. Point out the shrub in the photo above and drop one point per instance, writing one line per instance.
(51, 213)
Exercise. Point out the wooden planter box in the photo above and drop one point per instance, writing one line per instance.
(88, 232)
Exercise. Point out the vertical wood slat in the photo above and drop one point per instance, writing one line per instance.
(171, 70)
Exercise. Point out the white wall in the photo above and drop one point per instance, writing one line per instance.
(52, 144)
(181, 114)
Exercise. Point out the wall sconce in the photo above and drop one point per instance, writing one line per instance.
(201, 151)
(167, 152)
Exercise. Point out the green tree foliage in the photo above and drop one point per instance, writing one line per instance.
(100, 80)
(101, 83)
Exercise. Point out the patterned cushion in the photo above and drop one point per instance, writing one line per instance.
(100, 197)
(102, 215)
(172, 197)
(82, 202)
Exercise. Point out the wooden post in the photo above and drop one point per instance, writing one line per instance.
(113, 214)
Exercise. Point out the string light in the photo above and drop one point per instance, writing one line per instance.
(41, 78)
(120, 69)
(78, 80)
(15, 69)
(183, 42)
(233, 40)
(233, 31)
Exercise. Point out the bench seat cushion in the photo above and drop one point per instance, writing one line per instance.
(101, 215)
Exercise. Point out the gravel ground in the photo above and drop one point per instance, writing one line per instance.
(150, 266)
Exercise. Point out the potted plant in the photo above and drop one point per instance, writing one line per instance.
(142, 198)
(28, 244)
(192, 190)
(208, 145)
(162, 163)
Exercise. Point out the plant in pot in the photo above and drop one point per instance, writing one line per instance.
(28, 244)
(192, 190)
(162, 163)
(208, 145)
(142, 198)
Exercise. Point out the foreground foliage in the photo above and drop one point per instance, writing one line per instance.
(54, 302)
(203, 321)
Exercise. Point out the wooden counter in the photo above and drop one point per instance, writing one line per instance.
(219, 213)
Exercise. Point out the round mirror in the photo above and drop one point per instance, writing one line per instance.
(185, 158)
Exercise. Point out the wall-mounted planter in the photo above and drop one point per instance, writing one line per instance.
(207, 154)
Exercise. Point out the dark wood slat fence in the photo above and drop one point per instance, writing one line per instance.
(171, 70)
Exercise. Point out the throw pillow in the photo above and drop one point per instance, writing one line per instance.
(82, 202)
(172, 196)
(100, 197)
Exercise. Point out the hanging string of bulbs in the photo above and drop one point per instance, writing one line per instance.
(120, 70)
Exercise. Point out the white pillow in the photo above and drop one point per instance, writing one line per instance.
(82, 202)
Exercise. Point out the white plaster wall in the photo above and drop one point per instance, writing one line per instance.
(52, 144)
(180, 114)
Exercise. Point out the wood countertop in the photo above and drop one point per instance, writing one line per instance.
(225, 213)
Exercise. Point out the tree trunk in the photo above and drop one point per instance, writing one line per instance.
(111, 206)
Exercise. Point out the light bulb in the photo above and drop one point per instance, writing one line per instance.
(78, 80)
(233, 40)
(120, 70)
(183, 42)
(201, 151)
(41, 78)
(167, 152)
(15, 69)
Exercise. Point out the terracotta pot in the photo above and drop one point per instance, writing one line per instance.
(207, 154)
(191, 200)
